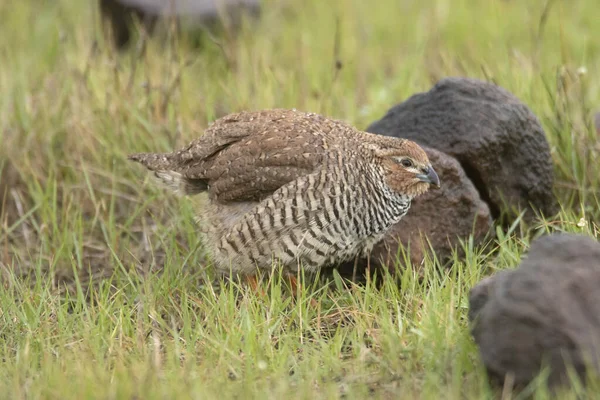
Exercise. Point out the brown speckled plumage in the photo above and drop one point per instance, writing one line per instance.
(294, 187)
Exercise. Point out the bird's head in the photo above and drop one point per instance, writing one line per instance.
(406, 166)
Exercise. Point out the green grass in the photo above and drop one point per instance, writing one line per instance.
(102, 271)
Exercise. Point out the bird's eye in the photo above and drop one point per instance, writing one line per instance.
(407, 163)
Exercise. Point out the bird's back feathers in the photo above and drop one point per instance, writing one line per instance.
(249, 155)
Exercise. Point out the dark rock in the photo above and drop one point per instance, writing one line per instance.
(442, 216)
(547, 309)
(496, 138)
(121, 19)
(203, 13)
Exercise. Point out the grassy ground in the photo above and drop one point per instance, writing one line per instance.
(102, 272)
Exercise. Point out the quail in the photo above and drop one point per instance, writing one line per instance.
(293, 188)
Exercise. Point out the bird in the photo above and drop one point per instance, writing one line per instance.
(293, 189)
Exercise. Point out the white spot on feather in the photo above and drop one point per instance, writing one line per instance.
(172, 180)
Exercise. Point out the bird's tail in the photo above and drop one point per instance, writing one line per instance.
(162, 166)
(152, 161)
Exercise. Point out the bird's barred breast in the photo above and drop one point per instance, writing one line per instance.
(320, 219)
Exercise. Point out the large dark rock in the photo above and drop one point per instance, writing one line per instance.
(202, 13)
(440, 218)
(547, 309)
(496, 138)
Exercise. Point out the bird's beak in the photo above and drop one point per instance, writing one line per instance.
(430, 177)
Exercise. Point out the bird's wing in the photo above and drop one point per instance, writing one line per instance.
(248, 156)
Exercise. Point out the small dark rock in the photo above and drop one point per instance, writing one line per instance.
(547, 310)
(496, 138)
(441, 217)
(204, 13)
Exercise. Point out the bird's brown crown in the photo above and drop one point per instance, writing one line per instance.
(408, 170)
